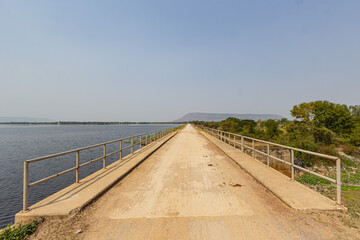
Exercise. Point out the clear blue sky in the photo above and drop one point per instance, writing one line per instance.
(158, 60)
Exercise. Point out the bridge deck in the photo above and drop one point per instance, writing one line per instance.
(189, 189)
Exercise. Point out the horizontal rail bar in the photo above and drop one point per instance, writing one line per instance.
(127, 147)
(85, 148)
(281, 160)
(283, 146)
(315, 173)
(258, 151)
(292, 148)
(74, 168)
(92, 161)
(247, 146)
(51, 177)
(110, 154)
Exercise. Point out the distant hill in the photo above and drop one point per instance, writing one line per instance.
(216, 117)
(24, 119)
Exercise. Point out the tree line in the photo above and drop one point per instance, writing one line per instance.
(319, 126)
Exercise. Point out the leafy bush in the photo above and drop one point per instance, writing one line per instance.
(323, 135)
(349, 150)
(272, 128)
(19, 231)
(346, 162)
(355, 137)
(326, 149)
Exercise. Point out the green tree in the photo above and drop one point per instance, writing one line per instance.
(355, 111)
(248, 126)
(272, 128)
(335, 117)
(231, 124)
(236, 125)
(304, 112)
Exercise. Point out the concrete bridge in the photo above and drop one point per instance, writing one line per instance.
(189, 185)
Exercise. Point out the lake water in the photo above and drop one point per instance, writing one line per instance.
(20, 143)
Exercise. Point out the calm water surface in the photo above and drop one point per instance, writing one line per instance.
(19, 143)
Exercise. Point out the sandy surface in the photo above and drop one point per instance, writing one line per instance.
(190, 190)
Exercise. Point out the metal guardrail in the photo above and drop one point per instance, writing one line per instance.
(229, 138)
(142, 139)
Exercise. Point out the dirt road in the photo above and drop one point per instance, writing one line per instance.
(190, 190)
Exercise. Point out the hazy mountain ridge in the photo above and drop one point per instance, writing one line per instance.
(222, 116)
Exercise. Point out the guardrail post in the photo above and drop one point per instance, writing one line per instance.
(234, 141)
(253, 148)
(242, 143)
(338, 181)
(120, 149)
(132, 144)
(104, 159)
(268, 155)
(140, 141)
(292, 164)
(26, 186)
(77, 166)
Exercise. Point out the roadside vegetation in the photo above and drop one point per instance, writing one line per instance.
(19, 231)
(319, 126)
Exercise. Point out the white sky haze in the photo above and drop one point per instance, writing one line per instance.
(158, 60)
